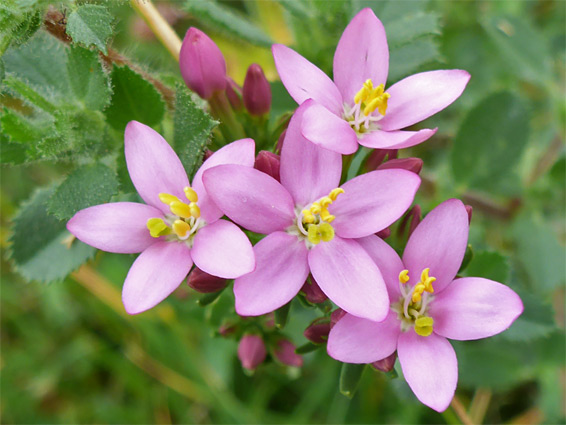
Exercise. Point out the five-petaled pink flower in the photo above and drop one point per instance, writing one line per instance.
(427, 307)
(170, 233)
(356, 107)
(311, 224)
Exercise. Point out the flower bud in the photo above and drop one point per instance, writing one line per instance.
(285, 353)
(279, 145)
(202, 65)
(414, 165)
(385, 233)
(387, 364)
(268, 163)
(377, 156)
(312, 291)
(336, 316)
(317, 332)
(413, 218)
(205, 283)
(234, 94)
(207, 154)
(469, 210)
(257, 92)
(251, 351)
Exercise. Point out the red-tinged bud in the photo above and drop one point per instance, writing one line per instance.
(257, 92)
(317, 332)
(285, 353)
(205, 283)
(469, 210)
(268, 163)
(312, 291)
(412, 219)
(207, 154)
(376, 158)
(227, 329)
(251, 351)
(202, 65)
(279, 145)
(385, 233)
(234, 94)
(336, 316)
(387, 364)
(414, 165)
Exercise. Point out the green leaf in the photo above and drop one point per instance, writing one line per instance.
(192, 128)
(350, 377)
(307, 348)
(11, 153)
(133, 99)
(224, 19)
(86, 186)
(407, 58)
(409, 27)
(38, 243)
(490, 142)
(90, 25)
(88, 81)
(537, 320)
(489, 265)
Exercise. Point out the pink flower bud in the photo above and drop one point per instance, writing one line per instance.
(317, 332)
(257, 92)
(268, 162)
(387, 364)
(251, 351)
(202, 65)
(385, 233)
(285, 353)
(377, 156)
(414, 165)
(207, 154)
(234, 94)
(336, 316)
(312, 291)
(413, 218)
(469, 210)
(205, 283)
(227, 329)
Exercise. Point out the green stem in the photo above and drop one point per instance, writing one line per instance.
(31, 95)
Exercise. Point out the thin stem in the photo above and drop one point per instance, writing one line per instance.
(460, 411)
(479, 405)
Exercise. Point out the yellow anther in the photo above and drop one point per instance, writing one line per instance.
(181, 209)
(326, 232)
(195, 210)
(372, 98)
(315, 208)
(423, 326)
(167, 198)
(314, 234)
(404, 276)
(418, 292)
(335, 192)
(325, 202)
(190, 194)
(157, 227)
(181, 228)
(308, 217)
(427, 280)
(326, 216)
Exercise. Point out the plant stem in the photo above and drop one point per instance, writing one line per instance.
(479, 405)
(460, 411)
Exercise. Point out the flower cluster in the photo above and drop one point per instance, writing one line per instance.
(319, 228)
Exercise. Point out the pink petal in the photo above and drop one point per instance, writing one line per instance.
(430, 368)
(387, 261)
(362, 53)
(373, 201)
(439, 243)
(474, 308)
(222, 249)
(240, 152)
(323, 128)
(303, 80)
(348, 276)
(119, 227)
(421, 95)
(281, 269)
(155, 274)
(308, 171)
(251, 198)
(153, 165)
(395, 139)
(356, 340)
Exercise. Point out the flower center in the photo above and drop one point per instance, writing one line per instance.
(314, 222)
(366, 101)
(413, 305)
(184, 220)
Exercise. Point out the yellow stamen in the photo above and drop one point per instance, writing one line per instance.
(181, 228)
(181, 209)
(314, 234)
(423, 326)
(167, 198)
(308, 217)
(157, 227)
(427, 281)
(371, 98)
(418, 292)
(325, 202)
(191, 194)
(315, 208)
(326, 232)
(404, 276)
(326, 216)
(335, 192)
(195, 210)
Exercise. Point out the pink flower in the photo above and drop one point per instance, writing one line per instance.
(427, 307)
(356, 107)
(312, 224)
(251, 351)
(170, 234)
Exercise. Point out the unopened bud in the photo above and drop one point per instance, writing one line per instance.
(385, 233)
(378, 156)
(227, 329)
(387, 364)
(412, 219)
(251, 351)
(202, 65)
(285, 353)
(257, 92)
(234, 94)
(414, 165)
(312, 291)
(279, 145)
(207, 154)
(317, 332)
(336, 316)
(268, 163)
(205, 283)
(469, 210)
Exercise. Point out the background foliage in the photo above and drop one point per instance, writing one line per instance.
(73, 73)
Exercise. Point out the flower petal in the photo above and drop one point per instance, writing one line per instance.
(222, 249)
(281, 269)
(387, 261)
(395, 139)
(474, 308)
(356, 340)
(373, 201)
(439, 243)
(362, 53)
(118, 227)
(323, 128)
(153, 165)
(241, 152)
(430, 368)
(348, 276)
(303, 80)
(155, 274)
(307, 171)
(419, 96)
(249, 197)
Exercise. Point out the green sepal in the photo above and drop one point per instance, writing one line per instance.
(281, 315)
(350, 377)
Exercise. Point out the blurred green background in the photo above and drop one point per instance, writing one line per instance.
(70, 353)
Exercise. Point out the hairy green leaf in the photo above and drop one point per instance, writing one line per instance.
(489, 265)
(88, 81)
(407, 58)
(537, 320)
(90, 25)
